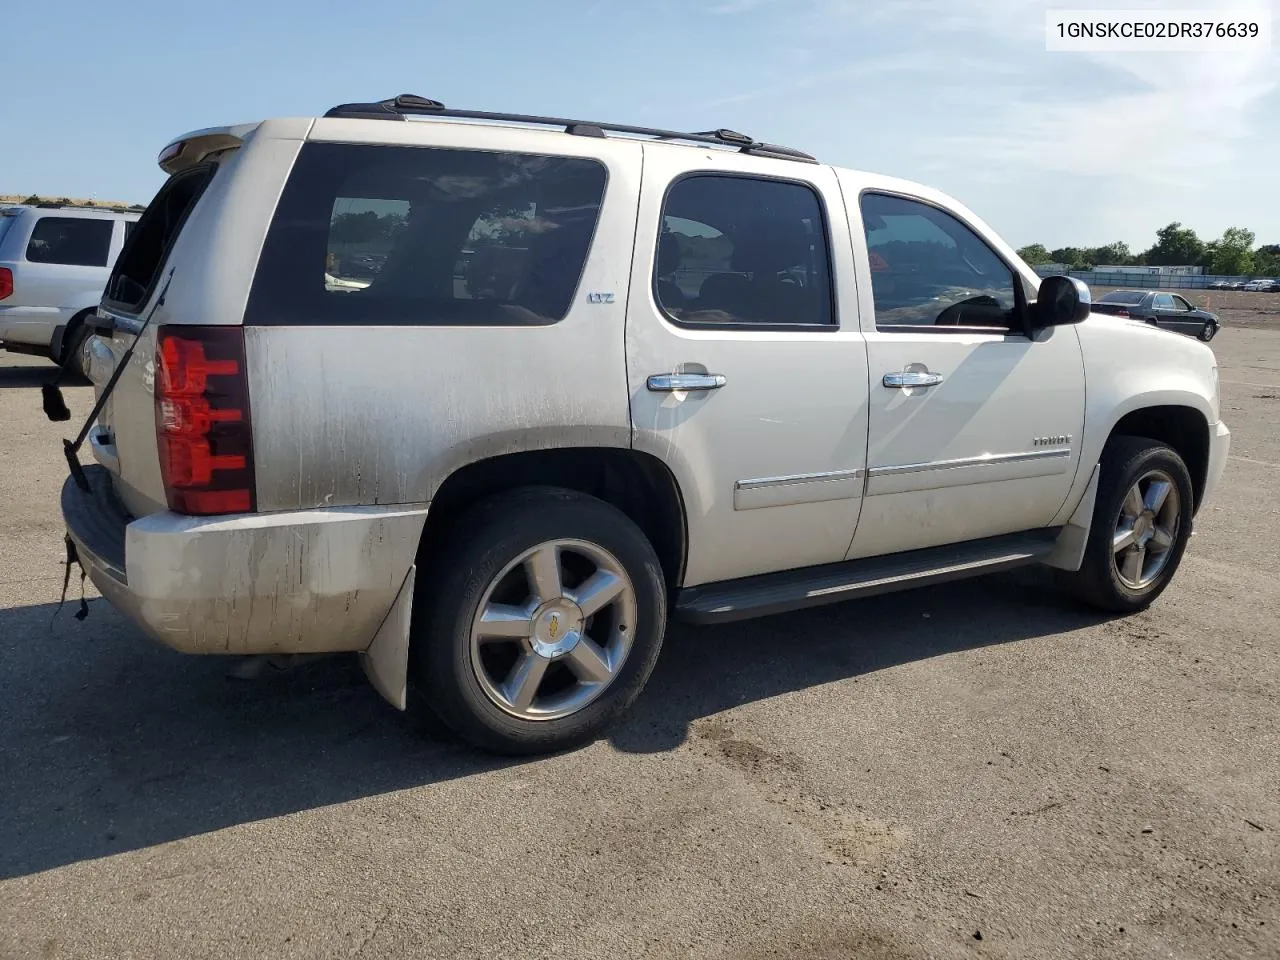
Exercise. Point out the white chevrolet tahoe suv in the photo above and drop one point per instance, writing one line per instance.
(54, 263)
(487, 398)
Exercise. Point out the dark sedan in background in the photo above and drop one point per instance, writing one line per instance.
(1167, 310)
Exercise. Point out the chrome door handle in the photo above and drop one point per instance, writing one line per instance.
(912, 378)
(672, 382)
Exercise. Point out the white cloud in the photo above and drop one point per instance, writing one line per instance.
(1164, 116)
(731, 7)
(964, 94)
(833, 77)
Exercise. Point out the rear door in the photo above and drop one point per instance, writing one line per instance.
(746, 369)
(1163, 312)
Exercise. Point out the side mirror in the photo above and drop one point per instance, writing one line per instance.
(1060, 300)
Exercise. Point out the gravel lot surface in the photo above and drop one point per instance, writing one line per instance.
(974, 770)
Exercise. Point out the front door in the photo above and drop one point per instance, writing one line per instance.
(746, 366)
(1182, 317)
(975, 429)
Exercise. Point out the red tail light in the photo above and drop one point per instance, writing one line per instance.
(6, 282)
(1122, 312)
(203, 430)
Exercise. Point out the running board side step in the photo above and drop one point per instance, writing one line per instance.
(772, 593)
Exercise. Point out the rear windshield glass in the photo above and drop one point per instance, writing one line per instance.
(148, 243)
(424, 235)
(1123, 296)
(75, 241)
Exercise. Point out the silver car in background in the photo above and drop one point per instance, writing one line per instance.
(54, 263)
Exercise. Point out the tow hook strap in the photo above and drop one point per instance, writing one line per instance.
(72, 557)
(54, 404)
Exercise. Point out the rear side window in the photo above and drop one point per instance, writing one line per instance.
(741, 250)
(75, 241)
(422, 235)
(147, 245)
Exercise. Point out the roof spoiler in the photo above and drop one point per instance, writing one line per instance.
(190, 148)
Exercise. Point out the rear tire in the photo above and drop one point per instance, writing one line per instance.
(73, 341)
(1141, 524)
(538, 621)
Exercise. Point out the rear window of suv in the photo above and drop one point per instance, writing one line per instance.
(72, 241)
(147, 244)
(368, 234)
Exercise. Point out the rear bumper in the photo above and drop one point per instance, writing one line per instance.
(1219, 448)
(309, 581)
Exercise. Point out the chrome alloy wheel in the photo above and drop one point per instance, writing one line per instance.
(1146, 529)
(553, 629)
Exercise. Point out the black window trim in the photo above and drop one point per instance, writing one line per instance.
(133, 309)
(258, 318)
(1021, 304)
(833, 327)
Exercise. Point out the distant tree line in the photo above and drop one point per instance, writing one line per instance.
(34, 200)
(1232, 254)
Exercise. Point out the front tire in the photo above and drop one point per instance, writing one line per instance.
(539, 621)
(1141, 525)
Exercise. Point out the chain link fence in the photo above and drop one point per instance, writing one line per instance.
(1148, 281)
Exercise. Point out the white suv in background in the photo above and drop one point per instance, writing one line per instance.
(54, 263)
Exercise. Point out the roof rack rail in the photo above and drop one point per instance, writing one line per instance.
(396, 108)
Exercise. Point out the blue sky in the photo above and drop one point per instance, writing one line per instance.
(960, 94)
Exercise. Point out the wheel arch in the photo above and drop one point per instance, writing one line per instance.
(639, 484)
(66, 337)
(1182, 427)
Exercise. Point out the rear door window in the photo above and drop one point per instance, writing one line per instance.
(743, 251)
(74, 241)
(424, 235)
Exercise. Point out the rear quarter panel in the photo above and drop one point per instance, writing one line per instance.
(348, 415)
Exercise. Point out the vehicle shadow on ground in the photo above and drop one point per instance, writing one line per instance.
(111, 743)
(706, 670)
